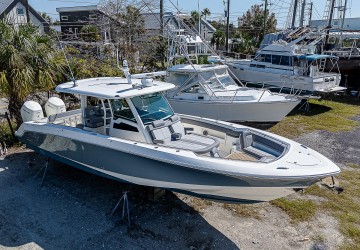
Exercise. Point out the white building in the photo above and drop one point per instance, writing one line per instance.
(14, 12)
(350, 24)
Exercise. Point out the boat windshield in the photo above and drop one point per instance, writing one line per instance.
(226, 80)
(152, 107)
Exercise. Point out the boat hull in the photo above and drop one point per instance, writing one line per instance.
(265, 112)
(103, 159)
(288, 81)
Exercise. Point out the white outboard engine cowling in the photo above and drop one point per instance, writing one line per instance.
(54, 106)
(31, 111)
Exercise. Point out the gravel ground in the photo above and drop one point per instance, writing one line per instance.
(72, 211)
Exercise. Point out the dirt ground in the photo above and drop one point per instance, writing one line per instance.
(72, 211)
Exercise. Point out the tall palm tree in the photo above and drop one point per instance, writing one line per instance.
(26, 64)
(206, 12)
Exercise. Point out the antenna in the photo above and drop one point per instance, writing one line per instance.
(125, 69)
(67, 61)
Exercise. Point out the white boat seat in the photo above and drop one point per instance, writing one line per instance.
(260, 147)
(197, 143)
(94, 117)
(176, 126)
(162, 132)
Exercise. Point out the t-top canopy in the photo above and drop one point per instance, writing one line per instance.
(111, 87)
(188, 68)
(315, 57)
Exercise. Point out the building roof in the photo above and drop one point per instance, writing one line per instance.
(111, 87)
(4, 4)
(77, 8)
(7, 5)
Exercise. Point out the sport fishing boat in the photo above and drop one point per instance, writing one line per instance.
(126, 130)
(292, 66)
(208, 90)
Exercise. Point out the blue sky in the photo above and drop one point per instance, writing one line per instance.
(238, 7)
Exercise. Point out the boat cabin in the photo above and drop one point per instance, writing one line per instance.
(137, 112)
(199, 82)
(300, 65)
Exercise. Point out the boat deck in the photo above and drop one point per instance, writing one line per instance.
(241, 156)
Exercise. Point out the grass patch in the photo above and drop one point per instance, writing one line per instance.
(345, 206)
(326, 115)
(352, 165)
(248, 211)
(199, 204)
(5, 132)
(298, 210)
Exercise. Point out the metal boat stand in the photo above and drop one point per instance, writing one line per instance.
(44, 169)
(305, 105)
(125, 209)
(333, 184)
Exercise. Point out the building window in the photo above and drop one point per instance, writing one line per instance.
(92, 16)
(64, 18)
(20, 11)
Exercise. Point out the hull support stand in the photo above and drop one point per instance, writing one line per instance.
(44, 169)
(125, 209)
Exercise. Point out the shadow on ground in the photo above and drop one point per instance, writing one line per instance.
(71, 211)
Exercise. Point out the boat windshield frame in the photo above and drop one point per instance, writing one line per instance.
(152, 107)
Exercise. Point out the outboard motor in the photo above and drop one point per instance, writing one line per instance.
(31, 111)
(54, 106)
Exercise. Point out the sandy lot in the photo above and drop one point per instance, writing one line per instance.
(72, 211)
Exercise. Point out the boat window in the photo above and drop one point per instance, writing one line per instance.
(296, 62)
(276, 59)
(193, 89)
(152, 107)
(226, 80)
(268, 58)
(121, 109)
(285, 60)
(178, 78)
(260, 58)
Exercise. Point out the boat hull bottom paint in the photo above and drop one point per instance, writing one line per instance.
(139, 170)
(248, 112)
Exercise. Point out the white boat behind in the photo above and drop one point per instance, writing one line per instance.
(293, 66)
(209, 91)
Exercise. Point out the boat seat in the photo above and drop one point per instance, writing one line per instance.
(94, 117)
(260, 147)
(171, 133)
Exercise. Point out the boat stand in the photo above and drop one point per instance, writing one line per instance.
(44, 169)
(125, 209)
(305, 106)
(333, 184)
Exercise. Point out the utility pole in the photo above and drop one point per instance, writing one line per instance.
(199, 24)
(162, 17)
(294, 14)
(27, 11)
(227, 25)
(301, 24)
(163, 56)
(265, 17)
(310, 13)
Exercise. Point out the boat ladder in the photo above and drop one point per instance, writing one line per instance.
(107, 119)
(322, 64)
